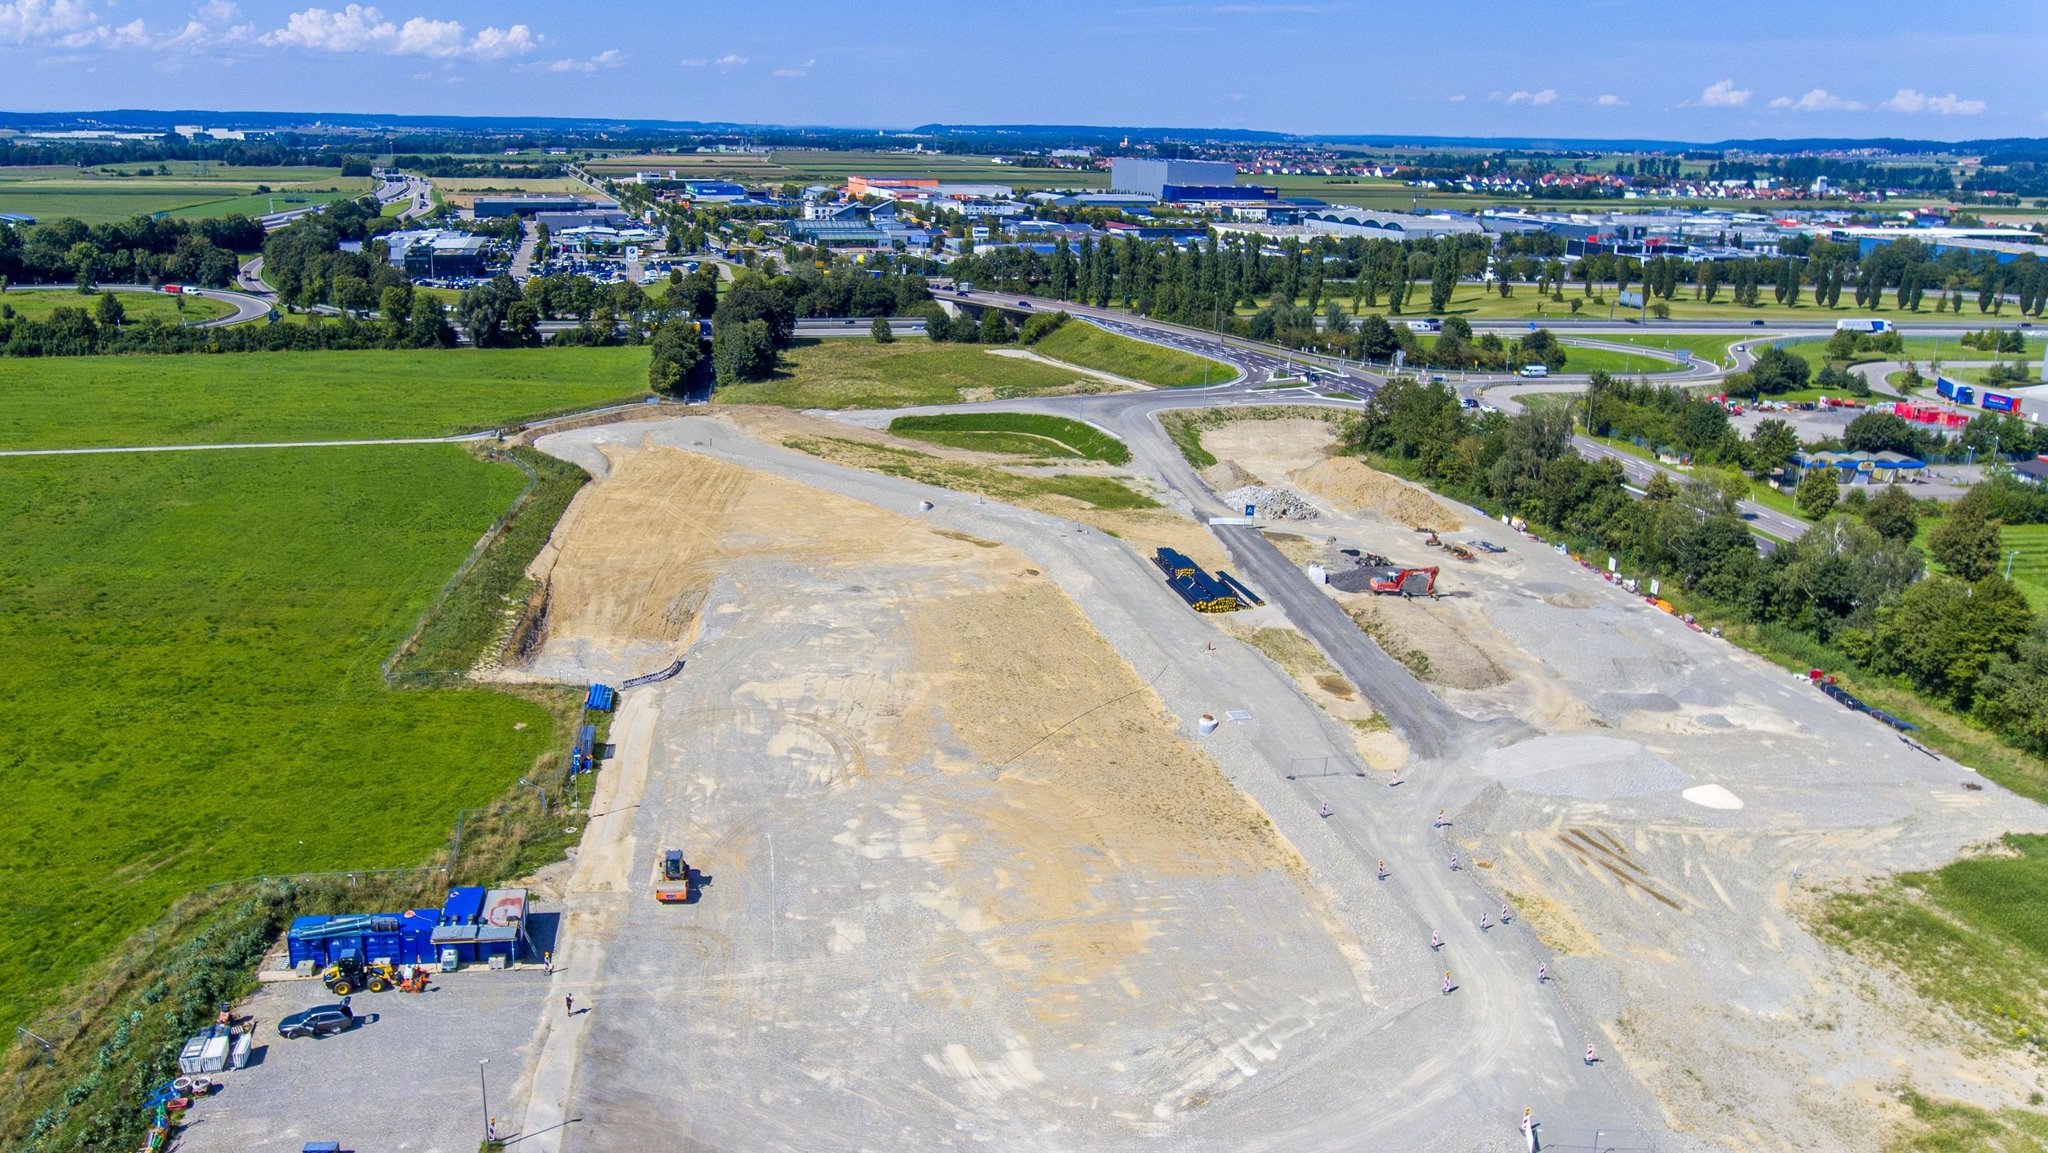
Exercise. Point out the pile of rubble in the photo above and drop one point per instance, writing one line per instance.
(1272, 503)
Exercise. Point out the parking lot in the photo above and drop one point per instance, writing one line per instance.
(404, 1079)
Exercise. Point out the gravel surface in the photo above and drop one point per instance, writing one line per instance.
(1272, 503)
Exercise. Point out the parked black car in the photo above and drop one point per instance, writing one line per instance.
(319, 1021)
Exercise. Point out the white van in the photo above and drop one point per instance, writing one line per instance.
(1535, 370)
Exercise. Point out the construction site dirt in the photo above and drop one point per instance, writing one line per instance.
(970, 875)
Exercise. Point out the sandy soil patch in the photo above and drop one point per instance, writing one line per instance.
(1274, 449)
(1225, 475)
(1353, 487)
(629, 566)
(1404, 627)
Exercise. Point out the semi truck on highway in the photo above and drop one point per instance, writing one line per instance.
(1863, 324)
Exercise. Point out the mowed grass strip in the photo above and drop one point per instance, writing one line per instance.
(857, 374)
(37, 304)
(2030, 566)
(994, 483)
(1020, 433)
(118, 401)
(1078, 342)
(192, 690)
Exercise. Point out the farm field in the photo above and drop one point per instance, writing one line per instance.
(100, 196)
(87, 402)
(194, 692)
(36, 304)
(462, 191)
(1105, 351)
(855, 374)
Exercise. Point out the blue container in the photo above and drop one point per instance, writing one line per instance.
(601, 698)
(464, 905)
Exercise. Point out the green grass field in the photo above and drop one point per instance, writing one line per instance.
(1712, 349)
(1579, 358)
(2030, 567)
(1919, 349)
(1972, 937)
(858, 374)
(1078, 342)
(36, 304)
(99, 401)
(1016, 433)
(192, 693)
(994, 483)
(103, 195)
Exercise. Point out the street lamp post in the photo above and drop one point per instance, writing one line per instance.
(485, 1092)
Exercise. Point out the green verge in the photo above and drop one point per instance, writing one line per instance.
(994, 483)
(1078, 342)
(1953, 1127)
(118, 401)
(478, 604)
(1972, 937)
(856, 374)
(1020, 433)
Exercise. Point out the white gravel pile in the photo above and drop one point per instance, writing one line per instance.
(1273, 503)
(1586, 767)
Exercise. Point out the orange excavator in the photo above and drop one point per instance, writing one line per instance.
(1407, 582)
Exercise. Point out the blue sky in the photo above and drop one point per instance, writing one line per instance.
(1586, 68)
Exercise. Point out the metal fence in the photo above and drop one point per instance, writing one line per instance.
(1581, 1139)
(1304, 768)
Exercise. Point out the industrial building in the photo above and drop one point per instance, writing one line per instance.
(435, 254)
(529, 203)
(1152, 177)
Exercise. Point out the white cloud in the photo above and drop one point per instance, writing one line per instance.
(805, 70)
(498, 43)
(1458, 99)
(423, 37)
(359, 28)
(693, 62)
(1819, 100)
(1610, 100)
(1547, 96)
(1912, 100)
(353, 29)
(1724, 94)
(22, 21)
(731, 60)
(609, 58)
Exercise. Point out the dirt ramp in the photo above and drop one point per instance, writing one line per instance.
(1353, 487)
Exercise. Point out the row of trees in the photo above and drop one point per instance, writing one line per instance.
(90, 332)
(1855, 581)
(142, 250)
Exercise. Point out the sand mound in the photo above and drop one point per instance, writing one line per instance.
(1712, 796)
(1225, 475)
(1426, 638)
(1353, 487)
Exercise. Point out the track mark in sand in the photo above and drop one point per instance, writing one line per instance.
(1609, 838)
(1619, 858)
(1626, 879)
(965, 538)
